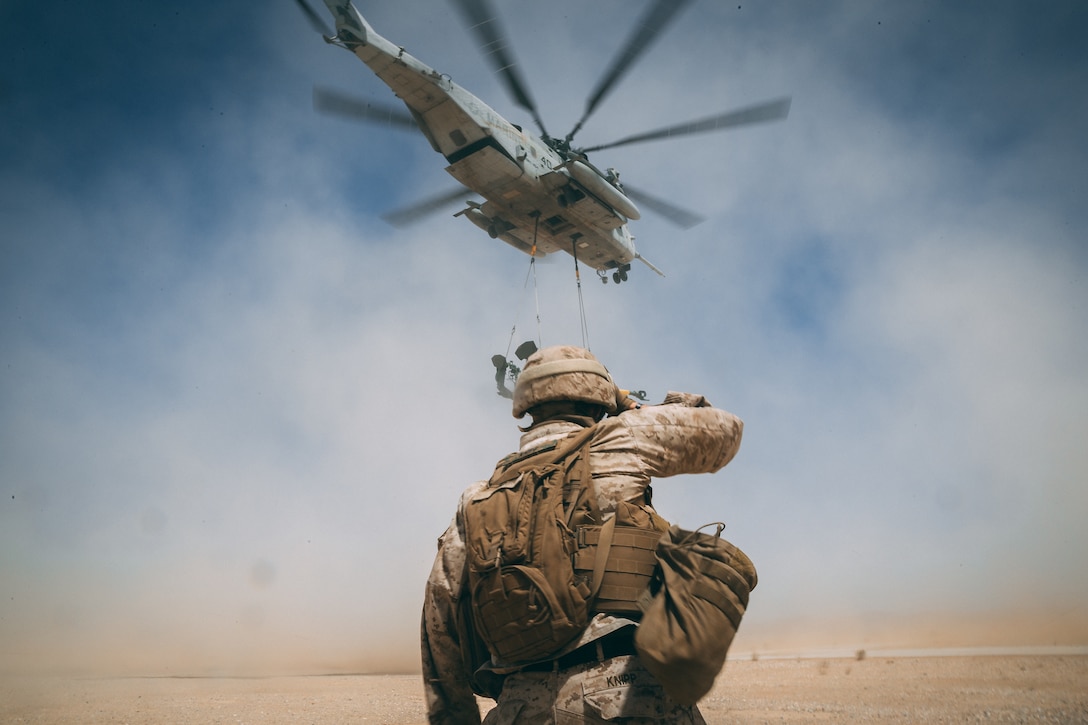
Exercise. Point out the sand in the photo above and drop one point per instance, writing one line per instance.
(875, 689)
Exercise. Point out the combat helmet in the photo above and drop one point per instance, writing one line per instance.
(563, 372)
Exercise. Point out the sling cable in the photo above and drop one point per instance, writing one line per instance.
(505, 369)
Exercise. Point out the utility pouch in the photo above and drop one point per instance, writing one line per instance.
(692, 610)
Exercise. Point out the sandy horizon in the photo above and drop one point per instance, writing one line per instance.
(115, 647)
(1013, 667)
(872, 688)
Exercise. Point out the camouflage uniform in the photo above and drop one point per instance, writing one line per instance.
(684, 435)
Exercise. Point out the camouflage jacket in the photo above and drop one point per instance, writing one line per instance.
(683, 435)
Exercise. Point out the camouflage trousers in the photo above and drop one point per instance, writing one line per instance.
(617, 690)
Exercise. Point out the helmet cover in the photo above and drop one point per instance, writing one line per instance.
(560, 373)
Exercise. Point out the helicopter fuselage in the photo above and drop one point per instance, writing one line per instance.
(538, 199)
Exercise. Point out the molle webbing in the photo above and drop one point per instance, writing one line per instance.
(628, 568)
(527, 601)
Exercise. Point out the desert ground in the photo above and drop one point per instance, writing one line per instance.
(991, 688)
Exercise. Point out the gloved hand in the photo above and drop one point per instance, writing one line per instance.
(691, 400)
(624, 402)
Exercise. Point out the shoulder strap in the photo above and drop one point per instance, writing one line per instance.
(573, 443)
(604, 545)
(511, 467)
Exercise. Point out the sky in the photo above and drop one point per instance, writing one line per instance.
(237, 408)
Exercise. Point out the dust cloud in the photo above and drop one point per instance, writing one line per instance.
(926, 631)
(108, 648)
(252, 640)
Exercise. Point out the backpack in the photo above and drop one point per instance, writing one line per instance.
(692, 610)
(528, 600)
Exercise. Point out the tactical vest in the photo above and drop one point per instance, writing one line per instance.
(629, 561)
(540, 563)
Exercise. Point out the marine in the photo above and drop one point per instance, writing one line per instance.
(597, 677)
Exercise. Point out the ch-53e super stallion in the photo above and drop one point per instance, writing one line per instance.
(541, 194)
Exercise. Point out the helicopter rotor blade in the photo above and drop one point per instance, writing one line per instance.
(759, 113)
(417, 211)
(484, 22)
(336, 103)
(677, 215)
(316, 21)
(650, 26)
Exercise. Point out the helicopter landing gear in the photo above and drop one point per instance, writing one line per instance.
(620, 275)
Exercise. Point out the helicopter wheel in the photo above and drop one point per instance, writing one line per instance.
(616, 277)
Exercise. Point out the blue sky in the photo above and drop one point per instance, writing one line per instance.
(236, 408)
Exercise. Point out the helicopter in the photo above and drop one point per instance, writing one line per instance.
(541, 194)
